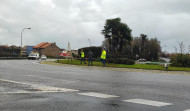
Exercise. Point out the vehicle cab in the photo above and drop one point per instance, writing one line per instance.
(33, 56)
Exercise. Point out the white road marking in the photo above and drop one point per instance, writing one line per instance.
(17, 92)
(35, 63)
(148, 102)
(30, 92)
(41, 88)
(14, 82)
(98, 95)
(50, 89)
(67, 81)
(39, 63)
(187, 110)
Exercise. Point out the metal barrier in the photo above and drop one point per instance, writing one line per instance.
(12, 58)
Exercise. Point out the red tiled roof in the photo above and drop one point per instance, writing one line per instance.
(5, 46)
(46, 45)
(42, 45)
(39, 45)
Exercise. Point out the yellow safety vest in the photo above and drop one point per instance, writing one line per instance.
(82, 54)
(103, 55)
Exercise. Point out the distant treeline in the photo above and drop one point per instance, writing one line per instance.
(120, 43)
(9, 51)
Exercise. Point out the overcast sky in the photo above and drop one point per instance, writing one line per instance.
(77, 21)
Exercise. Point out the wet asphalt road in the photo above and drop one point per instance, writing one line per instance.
(29, 86)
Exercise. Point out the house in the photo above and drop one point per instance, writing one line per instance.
(15, 49)
(26, 50)
(29, 49)
(6, 50)
(48, 49)
(5, 46)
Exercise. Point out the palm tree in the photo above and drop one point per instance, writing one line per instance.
(117, 34)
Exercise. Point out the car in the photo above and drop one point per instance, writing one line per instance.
(142, 60)
(43, 57)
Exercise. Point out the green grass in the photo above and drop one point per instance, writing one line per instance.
(135, 66)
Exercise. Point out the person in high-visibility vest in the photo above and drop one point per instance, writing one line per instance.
(82, 56)
(103, 57)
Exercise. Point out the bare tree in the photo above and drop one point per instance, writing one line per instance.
(182, 47)
(175, 49)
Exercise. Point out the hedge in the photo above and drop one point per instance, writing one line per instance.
(121, 61)
(180, 60)
(96, 51)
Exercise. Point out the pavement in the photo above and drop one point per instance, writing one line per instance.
(27, 85)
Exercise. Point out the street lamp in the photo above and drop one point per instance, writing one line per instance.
(90, 42)
(21, 41)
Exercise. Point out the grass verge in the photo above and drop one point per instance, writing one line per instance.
(135, 66)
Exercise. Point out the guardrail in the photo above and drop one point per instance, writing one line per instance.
(155, 63)
(12, 58)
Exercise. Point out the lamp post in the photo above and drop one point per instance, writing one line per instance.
(90, 42)
(21, 41)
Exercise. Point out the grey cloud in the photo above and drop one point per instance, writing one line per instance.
(77, 21)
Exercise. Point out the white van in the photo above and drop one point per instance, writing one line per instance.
(33, 56)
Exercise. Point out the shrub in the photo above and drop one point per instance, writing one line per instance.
(130, 62)
(180, 60)
(111, 60)
(118, 60)
(97, 59)
(96, 51)
(121, 61)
